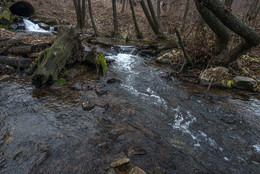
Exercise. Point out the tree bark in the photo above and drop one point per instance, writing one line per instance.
(137, 30)
(54, 59)
(187, 6)
(231, 21)
(115, 18)
(222, 32)
(159, 12)
(92, 18)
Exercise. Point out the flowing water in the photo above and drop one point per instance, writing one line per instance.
(32, 27)
(157, 123)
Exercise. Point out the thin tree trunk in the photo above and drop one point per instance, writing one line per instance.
(159, 12)
(83, 13)
(137, 30)
(148, 17)
(77, 12)
(92, 18)
(150, 5)
(115, 18)
(123, 6)
(187, 6)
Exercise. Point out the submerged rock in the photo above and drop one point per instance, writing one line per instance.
(137, 170)
(245, 83)
(88, 106)
(119, 162)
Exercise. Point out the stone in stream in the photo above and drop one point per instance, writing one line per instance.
(119, 162)
(4, 78)
(137, 170)
(88, 106)
(113, 80)
(245, 83)
(112, 171)
(44, 26)
(100, 91)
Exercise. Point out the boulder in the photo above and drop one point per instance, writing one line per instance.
(6, 18)
(137, 170)
(218, 76)
(87, 106)
(44, 26)
(167, 58)
(245, 83)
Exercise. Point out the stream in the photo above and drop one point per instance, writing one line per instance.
(157, 123)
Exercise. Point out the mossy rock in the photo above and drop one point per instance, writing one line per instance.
(60, 82)
(101, 61)
(6, 18)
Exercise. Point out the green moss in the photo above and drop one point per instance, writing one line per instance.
(60, 82)
(101, 61)
(230, 83)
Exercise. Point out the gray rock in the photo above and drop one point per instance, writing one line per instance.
(245, 83)
(44, 26)
(137, 170)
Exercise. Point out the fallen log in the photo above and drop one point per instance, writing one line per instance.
(54, 59)
(19, 63)
(26, 50)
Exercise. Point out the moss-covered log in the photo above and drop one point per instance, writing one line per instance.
(54, 59)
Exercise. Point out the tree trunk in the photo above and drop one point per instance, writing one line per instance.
(232, 22)
(115, 18)
(159, 12)
(92, 18)
(222, 32)
(80, 8)
(187, 6)
(138, 32)
(54, 59)
(123, 6)
(223, 14)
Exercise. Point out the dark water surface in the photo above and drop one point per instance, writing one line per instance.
(178, 127)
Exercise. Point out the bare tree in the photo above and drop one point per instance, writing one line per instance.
(115, 18)
(218, 13)
(92, 18)
(80, 7)
(137, 30)
(152, 19)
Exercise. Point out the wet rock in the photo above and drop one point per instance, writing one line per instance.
(245, 83)
(137, 170)
(13, 26)
(60, 82)
(218, 76)
(113, 80)
(112, 171)
(100, 91)
(136, 151)
(44, 26)
(119, 162)
(108, 60)
(87, 106)
(36, 21)
(157, 170)
(4, 78)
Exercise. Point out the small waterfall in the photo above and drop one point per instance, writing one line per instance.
(32, 27)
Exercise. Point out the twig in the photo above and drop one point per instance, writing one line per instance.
(186, 55)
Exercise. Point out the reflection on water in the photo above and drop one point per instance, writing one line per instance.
(180, 127)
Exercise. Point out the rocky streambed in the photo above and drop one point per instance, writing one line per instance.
(132, 114)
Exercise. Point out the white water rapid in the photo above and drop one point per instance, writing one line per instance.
(32, 27)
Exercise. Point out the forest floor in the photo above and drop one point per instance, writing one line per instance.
(63, 11)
